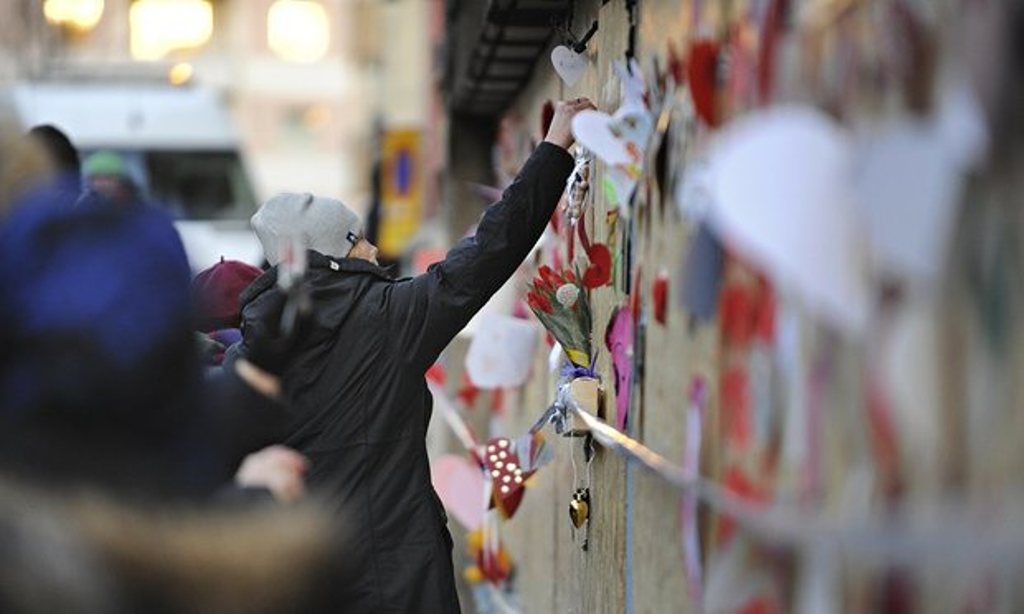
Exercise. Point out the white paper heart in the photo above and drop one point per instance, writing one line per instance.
(569, 65)
(781, 194)
(460, 485)
(592, 130)
(619, 141)
(501, 353)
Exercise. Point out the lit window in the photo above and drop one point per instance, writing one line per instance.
(80, 15)
(298, 30)
(159, 27)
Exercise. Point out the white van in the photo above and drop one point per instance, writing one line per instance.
(179, 144)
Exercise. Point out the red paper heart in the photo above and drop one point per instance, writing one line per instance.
(599, 272)
(702, 72)
(659, 294)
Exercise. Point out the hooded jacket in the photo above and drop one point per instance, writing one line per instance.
(359, 404)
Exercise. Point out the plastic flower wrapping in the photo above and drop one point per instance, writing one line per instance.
(562, 306)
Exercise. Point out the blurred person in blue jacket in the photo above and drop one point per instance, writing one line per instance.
(99, 374)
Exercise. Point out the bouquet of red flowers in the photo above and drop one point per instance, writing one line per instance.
(562, 306)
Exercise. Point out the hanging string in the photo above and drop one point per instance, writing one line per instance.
(949, 533)
(631, 8)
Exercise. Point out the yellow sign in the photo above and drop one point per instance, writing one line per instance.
(401, 190)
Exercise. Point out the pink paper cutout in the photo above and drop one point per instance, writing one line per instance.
(619, 341)
(459, 483)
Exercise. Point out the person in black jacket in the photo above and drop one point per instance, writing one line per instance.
(358, 401)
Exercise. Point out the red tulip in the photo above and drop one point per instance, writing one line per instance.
(538, 302)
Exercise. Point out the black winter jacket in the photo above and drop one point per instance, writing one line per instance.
(358, 398)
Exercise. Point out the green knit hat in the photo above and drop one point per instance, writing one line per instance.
(104, 163)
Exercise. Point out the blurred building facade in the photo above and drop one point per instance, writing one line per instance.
(310, 83)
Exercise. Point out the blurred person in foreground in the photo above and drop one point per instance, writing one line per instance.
(63, 158)
(98, 363)
(358, 400)
(107, 174)
(215, 293)
(109, 447)
(23, 167)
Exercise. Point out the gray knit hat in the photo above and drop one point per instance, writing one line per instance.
(326, 224)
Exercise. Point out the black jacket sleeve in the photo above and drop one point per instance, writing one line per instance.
(426, 312)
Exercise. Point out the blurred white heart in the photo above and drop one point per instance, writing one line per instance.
(780, 194)
(501, 353)
(908, 187)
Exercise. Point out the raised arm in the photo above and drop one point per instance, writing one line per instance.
(426, 312)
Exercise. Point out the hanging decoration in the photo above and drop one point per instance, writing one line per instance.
(501, 462)
(702, 275)
(460, 485)
(580, 510)
(619, 341)
(575, 198)
(569, 58)
(702, 75)
(492, 561)
(659, 297)
(688, 512)
(619, 140)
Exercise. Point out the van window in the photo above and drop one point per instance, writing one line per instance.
(200, 185)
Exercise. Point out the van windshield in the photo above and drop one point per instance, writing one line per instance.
(200, 185)
(192, 185)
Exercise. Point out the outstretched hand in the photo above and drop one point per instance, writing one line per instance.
(560, 131)
(279, 469)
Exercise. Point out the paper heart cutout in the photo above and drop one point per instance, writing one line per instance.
(618, 338)
(569, 65)
(507, 473)
(702, 73)
(619, 141)
(599, 272)
(593, 131)
(781, 195)
(460, 485)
